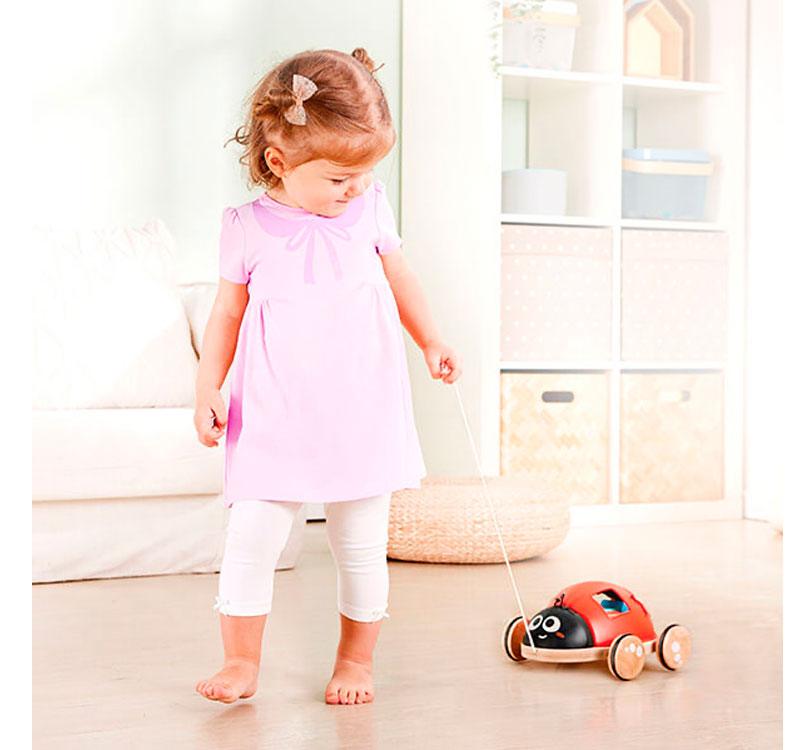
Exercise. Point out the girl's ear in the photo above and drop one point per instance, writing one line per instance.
(275, 160)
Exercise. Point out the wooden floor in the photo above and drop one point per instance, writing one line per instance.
(115, 662)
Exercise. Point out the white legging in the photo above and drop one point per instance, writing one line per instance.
(357, 533)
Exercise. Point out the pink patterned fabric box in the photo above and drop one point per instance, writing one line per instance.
(674, 295)
(555, 301)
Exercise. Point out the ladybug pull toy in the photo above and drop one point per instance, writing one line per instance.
(588, 621)
(596, 620)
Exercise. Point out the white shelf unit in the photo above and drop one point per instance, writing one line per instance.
(579, 121)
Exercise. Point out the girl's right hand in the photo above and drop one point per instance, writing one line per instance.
(210, 417)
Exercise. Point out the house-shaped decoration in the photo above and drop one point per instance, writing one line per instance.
(659, 39)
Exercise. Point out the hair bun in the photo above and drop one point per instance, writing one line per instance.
(360, 54)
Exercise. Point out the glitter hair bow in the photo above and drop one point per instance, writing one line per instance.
(303, 88)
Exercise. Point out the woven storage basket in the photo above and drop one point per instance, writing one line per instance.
(554, 426)
(672, 437)
(449, 520)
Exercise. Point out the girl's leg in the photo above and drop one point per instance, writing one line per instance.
(257, 533)
(357, 532)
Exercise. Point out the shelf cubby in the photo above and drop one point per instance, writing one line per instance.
(559, 114)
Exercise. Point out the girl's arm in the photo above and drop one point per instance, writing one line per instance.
(411, 302)
(221, 334)
(415, 315)
(218, 347)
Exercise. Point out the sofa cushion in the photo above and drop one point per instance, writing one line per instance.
(198, 300)
(110, 329)
(95, 453)
(137, 536)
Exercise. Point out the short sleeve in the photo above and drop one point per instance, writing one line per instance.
(232, 248)
(388, 238)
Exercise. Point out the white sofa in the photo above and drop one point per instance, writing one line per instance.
(121, 484)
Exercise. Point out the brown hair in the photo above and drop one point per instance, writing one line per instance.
(348, 120)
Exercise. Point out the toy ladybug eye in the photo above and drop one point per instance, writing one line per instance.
(551, 624)
(535, 623)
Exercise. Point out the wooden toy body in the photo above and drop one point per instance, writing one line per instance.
(574, 655)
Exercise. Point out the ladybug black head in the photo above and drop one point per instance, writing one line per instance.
(559, 627)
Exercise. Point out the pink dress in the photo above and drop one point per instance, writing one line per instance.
(320, 399)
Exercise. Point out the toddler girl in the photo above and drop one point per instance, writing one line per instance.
(312, 291)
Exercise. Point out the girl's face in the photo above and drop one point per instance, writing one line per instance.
(319, 186)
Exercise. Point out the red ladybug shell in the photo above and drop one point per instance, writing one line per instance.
(605, 626)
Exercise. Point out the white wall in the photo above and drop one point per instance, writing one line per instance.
(765, 98)
(451, 150)
(134, 100)
(778, 311)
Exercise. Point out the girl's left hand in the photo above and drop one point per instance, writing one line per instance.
(442, 361)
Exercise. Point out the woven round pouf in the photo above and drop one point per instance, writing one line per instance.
(448, 520)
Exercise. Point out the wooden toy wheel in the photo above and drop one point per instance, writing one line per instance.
(513, 637)
(674, 647)
(626, 657)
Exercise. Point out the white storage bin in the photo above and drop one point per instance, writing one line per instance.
(540, 34)
(534, 191)
(556, 293)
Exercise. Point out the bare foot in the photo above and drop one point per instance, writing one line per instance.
(237, 679)
(351, 683)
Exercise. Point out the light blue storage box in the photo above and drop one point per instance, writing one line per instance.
(665, 183)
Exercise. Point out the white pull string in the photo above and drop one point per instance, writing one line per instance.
(494, 517)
